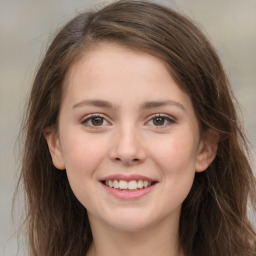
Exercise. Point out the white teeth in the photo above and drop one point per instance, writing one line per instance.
(140, 184)
(116, 184)
(110, 183)
(145, 183)
(123, 184)
(130, 185)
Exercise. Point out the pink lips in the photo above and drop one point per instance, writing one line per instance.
(125, 194)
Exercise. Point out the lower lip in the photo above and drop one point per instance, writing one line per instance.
(129, 195)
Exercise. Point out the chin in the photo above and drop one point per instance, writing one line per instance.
(132, 221)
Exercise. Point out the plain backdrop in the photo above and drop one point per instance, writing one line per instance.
(26, 27)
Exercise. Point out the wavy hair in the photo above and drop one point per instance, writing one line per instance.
(214, 217)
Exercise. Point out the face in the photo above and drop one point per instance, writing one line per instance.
(128, 138)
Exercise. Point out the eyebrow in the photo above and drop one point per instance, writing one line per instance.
(146, 105)
(156, 104)
(96, 103)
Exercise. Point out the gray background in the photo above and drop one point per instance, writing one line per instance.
(25, 29)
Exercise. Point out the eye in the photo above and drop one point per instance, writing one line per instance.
(95, 120)
(160, 121)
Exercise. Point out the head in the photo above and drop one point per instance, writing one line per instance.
(210, 207)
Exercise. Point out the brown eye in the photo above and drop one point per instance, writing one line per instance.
(159, 121)
(97, 121)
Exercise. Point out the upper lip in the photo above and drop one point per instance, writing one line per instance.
(126, 177)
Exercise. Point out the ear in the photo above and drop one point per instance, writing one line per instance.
(55, 149)
(207, 150)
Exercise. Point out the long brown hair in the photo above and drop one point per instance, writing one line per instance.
(214, 217)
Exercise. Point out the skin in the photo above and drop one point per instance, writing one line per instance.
(128, 140)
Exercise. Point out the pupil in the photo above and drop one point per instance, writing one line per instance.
(158, 121)
(97, 121)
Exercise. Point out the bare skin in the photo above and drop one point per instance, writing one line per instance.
(112, 242)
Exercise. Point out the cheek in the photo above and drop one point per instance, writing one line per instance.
(176, 158)
(82, 151)
(177, 154)
(82, 156)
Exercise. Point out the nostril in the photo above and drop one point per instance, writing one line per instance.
(134, 160)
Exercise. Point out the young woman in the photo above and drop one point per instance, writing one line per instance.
(133, 146)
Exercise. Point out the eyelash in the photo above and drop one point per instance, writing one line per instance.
(167, 120)
(90, 118)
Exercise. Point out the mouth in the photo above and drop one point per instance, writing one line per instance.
(128, 187)
(132, 185)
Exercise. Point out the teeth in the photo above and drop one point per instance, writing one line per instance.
(128, 185)
(115, 184)
(123, 184)
(132, 184)
(110, 184)
(140, 184)
(145, 183)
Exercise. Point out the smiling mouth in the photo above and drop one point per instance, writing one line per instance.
(132, 185)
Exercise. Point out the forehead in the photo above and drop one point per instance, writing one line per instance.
(108, 67)
(98, 59)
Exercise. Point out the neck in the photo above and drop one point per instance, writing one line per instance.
(159, 239)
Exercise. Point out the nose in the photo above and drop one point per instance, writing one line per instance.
(127, 147)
